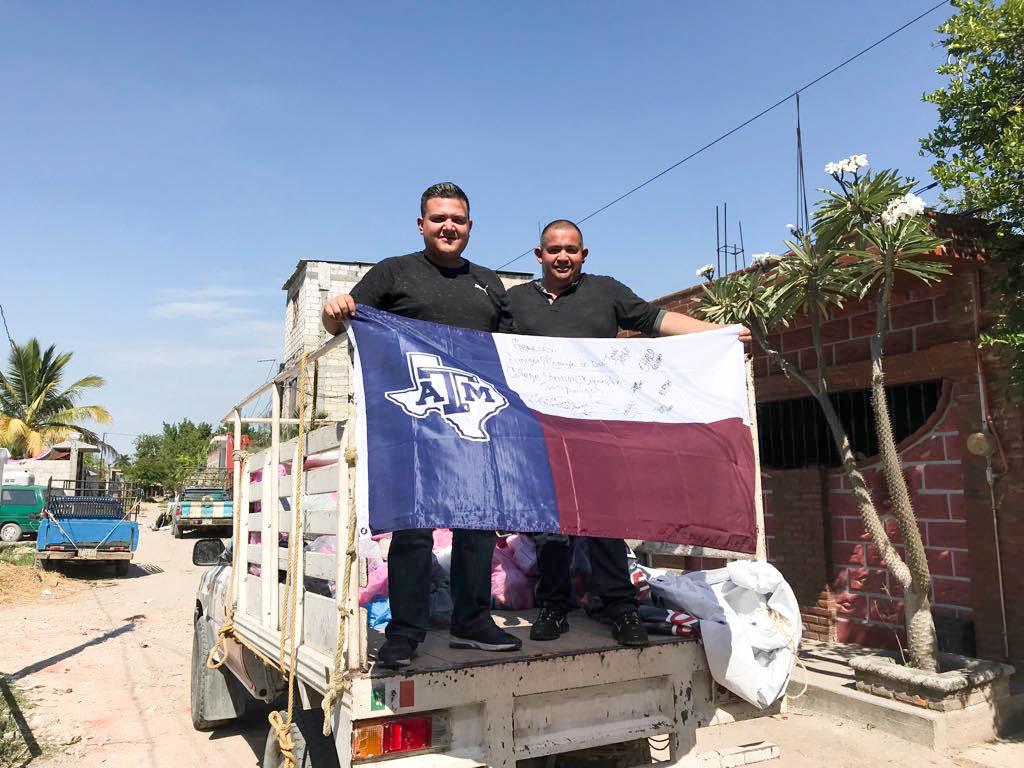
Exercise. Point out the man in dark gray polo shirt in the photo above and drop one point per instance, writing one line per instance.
(438, 285)
(566, 302)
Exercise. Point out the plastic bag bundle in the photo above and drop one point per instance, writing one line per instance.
(750, 622)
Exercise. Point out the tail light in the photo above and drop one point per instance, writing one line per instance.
(56, 547)
(381, 738)
(117, 549)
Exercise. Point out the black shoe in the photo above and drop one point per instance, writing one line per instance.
(550, 624)
(396, 652)
(490, 638)
(628, 628)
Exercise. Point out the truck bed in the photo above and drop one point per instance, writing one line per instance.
(585, 636)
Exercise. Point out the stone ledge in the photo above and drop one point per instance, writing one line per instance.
(962, 673)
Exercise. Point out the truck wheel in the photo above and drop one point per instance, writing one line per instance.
(121, 568)
(175, 531)
(10, 532)
(312, 748)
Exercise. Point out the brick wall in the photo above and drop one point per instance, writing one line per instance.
(868, 601)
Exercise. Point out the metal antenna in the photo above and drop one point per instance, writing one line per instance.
(742, 249)
(803, 216)
(725, 233)
(718, 244)
(724, 249)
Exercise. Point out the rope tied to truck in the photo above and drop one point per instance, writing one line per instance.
(227, 628)
(282, 726)
(340, 681)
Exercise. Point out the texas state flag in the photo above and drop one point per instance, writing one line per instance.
(627, 438)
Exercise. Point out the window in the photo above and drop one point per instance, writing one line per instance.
(18, 498)
(793, 433)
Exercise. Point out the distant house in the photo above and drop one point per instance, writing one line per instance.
(62, 463)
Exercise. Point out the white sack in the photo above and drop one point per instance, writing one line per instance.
(750, 624)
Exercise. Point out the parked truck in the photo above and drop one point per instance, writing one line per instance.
(78, 526)
(450, 708)
(200, 507)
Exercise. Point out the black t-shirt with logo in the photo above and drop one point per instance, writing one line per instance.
(469, 296)
(594, 307)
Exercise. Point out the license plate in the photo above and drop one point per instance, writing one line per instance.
(88, 554)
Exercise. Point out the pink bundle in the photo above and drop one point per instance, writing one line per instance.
(511, 587)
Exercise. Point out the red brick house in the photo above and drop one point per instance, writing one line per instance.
(942, 389)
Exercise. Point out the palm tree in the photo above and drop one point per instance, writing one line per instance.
(34, 410)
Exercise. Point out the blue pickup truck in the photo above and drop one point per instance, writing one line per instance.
(91, 529)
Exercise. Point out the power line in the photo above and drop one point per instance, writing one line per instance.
(746, 122)
(6, 330)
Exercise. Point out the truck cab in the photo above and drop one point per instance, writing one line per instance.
(20, 508)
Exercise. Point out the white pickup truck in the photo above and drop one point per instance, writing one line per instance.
(451, 708)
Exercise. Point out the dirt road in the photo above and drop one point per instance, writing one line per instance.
(107, 668)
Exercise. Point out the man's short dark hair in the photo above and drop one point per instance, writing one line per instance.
(559, 224)
(443, 189)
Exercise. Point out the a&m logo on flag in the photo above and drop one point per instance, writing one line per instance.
(463, 400)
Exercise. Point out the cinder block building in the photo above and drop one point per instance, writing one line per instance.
(307, 290)
(943, 388)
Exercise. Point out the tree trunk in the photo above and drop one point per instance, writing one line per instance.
(916, 606)
(868, 513)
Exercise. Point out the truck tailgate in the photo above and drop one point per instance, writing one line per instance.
(88, 534)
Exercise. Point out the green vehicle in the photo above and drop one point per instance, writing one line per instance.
(20, 508)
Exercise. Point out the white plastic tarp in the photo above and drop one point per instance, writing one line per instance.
(749, 620)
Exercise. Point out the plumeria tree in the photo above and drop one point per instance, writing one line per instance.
(868, 229)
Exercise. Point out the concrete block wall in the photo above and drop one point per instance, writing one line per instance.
(313, 283)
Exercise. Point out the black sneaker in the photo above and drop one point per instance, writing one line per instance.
(490, 638)
(628, 628)
(396, 652)
(549, 625)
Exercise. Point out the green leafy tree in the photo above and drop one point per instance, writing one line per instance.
(36, 410)
(167, 459)
(979, 144)
(864, 233)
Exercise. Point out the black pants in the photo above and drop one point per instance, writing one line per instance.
(409, 582)
(609, 572)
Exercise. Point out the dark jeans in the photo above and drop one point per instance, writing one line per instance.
(609, 572)
(409, 582)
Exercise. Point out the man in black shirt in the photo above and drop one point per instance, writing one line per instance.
(438, 285)
(566, 302)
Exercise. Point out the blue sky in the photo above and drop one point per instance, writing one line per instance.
(165, 165)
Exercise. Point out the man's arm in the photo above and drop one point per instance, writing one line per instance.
(676, 324)
(370, 290)
(337, 313)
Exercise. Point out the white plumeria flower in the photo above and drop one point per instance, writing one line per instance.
(760, 258)
(707, 271)
(791, 227)
(905, 207)
(849, 165)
